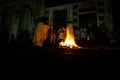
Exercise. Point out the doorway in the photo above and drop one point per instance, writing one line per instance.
(59, 18)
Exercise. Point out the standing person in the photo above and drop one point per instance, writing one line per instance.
(32, 34)
(102, 34)
(51, 35)
(77, 34)
(83, 35)
(91, 38)
(61, 34)
(70, 27)
(41, 32)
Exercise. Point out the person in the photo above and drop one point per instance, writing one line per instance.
(83, 35)
(77, 35)
(61, 34)
(102, 34)
(20, 38)
(91, 38)
(41, 32)
(32, 34)
(70, 27)
(51, 35)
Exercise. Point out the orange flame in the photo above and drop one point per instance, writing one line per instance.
(69, 40)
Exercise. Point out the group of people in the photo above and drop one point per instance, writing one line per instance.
(92, 35)
(46, 35)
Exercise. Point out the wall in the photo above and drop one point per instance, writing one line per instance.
(72, 11)
(12, 10)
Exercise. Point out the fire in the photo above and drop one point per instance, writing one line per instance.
(69, 40)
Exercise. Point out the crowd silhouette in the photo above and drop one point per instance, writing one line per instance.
(84, 35)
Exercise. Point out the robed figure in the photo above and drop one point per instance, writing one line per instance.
(41, 32)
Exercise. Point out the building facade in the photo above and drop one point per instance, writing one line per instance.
(22, 14)
(87, 12)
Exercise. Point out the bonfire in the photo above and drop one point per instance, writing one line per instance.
(69, 40)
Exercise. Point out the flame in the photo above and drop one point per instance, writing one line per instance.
(69, 40)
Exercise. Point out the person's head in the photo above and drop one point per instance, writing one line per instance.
(43, 19)
(69, 23)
